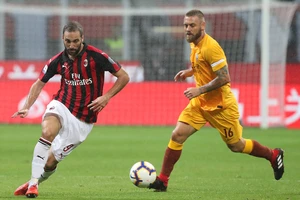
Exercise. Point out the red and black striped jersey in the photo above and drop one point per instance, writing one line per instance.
(82, 79)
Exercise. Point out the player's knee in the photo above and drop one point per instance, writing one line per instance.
(50, 127)
(235, 148)
(178, 137)
(48, 134)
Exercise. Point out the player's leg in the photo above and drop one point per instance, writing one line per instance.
(228, 124)
(254, 148)
(49, 169)
(50, 128)
(190, 120)
(172, 154)
(71, 134)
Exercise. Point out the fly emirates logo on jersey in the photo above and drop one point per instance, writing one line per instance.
(76, 80)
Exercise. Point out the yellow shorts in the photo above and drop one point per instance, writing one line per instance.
(226, 121)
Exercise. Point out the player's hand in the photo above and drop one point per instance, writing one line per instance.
(98, 104)
(180, 76)
(192, 92)
(22, 113)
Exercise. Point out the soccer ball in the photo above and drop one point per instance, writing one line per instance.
(142, 174)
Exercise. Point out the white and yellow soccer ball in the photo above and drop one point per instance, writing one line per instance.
(142, 174)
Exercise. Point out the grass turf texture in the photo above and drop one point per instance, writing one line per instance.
(99, 168)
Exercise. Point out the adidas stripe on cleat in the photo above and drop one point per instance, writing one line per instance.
(277, 163)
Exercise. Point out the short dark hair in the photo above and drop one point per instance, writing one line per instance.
(195, 13)
(73, 26)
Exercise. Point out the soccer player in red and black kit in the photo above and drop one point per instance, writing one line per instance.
(70, 116)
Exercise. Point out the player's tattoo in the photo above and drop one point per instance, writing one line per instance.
(221, 79)
(223, 74)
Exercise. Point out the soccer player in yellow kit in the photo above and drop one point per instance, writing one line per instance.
(210, 101)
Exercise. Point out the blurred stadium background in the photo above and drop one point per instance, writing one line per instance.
(261, 39)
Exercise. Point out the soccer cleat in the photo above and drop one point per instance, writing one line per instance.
(21, 190)
(32, 192)
(158, 185)
(277, 163)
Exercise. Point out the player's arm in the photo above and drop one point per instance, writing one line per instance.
(34, 92)
(122, 79)
(222, 77)
(183, 74)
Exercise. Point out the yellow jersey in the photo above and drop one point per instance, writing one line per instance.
(206, 58)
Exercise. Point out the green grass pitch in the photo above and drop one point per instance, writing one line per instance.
(99, 168)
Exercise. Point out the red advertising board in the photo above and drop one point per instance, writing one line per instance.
(140, 103)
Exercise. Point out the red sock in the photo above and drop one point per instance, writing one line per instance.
(170, 158)
(261, 151)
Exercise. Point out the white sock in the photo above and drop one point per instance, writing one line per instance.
(33, 181)
(46, 175)
(40, 156)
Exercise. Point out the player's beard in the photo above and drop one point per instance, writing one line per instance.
(73, 52)
(193, 38)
